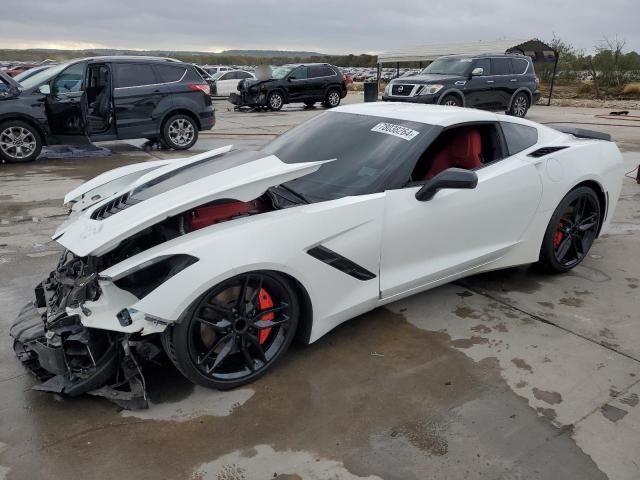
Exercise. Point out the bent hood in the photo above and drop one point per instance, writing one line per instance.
(13, 88)
(173, 189)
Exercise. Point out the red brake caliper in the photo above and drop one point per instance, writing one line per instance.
(265, 301)
(557, 237)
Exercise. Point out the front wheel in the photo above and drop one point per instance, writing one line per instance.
(275, 101)
(236, 331)
(19, 142)
(179, 132)
(451, 101)
(571, 231)
(519, 105)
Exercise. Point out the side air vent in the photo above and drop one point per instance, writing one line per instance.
(112, 207)
(341, 263)
(541, 152)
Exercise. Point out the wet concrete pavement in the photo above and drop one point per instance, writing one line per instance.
(514, 374)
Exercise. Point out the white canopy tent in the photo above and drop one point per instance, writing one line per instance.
(428, 53)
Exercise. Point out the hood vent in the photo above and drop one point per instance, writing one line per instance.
(541, 152)
(114, 206)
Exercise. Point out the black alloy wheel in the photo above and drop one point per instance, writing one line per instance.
(571, 231)
(236, 331)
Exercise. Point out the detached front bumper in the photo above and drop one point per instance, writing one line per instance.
(70, 337)
(248, 99)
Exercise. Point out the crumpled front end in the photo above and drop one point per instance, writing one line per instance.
(70, 358)
(251, 93)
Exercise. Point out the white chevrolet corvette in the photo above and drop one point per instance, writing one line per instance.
(221, 259)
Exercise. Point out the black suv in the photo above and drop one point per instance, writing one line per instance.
(308, 84)
(104, 98)
(505, 82)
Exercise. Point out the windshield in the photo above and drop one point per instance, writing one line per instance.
(449, 66)
(280, 72)
(44, 76)
(367, 151)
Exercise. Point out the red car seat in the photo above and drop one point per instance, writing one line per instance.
(463, 151)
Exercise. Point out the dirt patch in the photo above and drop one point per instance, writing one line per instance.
(466, 312)
(521, 364)
(469, 342)
(548, 413)
(631, 400)
(547, 305)
(481, 329)
(552, 398)
(571, 301)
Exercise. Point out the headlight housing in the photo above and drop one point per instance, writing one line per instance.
(430, 89)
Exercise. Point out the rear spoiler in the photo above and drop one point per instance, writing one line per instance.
(584, 133)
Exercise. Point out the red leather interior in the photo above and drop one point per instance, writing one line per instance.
(463, 151)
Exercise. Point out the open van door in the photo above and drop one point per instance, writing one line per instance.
(66, 106)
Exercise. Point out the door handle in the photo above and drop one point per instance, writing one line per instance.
(490, 81)
(513, 80)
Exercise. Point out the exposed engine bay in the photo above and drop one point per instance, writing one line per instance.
(72, 359)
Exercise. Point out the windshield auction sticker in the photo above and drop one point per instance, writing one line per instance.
(395, 130)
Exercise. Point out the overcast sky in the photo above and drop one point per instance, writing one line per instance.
(329, 26)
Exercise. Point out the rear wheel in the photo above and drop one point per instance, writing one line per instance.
(519, 105)
(19, 142)
(332, 99)
(236, 331)
(179, 132)
(275, 101)
(571, 231)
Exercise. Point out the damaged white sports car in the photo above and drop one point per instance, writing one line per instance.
(221, 259)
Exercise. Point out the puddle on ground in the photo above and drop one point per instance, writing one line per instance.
(263, 462)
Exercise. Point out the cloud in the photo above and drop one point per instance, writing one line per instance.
(331, 26)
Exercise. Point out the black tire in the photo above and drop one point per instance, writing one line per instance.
(571, 231)
(275, 100)
(519, 105)
(20, 142)
(309, 104)
(332, 99)
(451, 101)
(242, 354)
(179, 132)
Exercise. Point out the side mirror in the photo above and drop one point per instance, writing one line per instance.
(44, 89)
(291, 78)
(477, 72)
(449, 178)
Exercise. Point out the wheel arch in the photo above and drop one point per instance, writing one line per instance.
(453, 91)
(602, 198)
(29, 120)
(178, 111)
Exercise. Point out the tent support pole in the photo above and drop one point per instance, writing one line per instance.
(553, 77)
(378, 79)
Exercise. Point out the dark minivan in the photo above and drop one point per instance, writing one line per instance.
(499, 82)
(104, 98)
